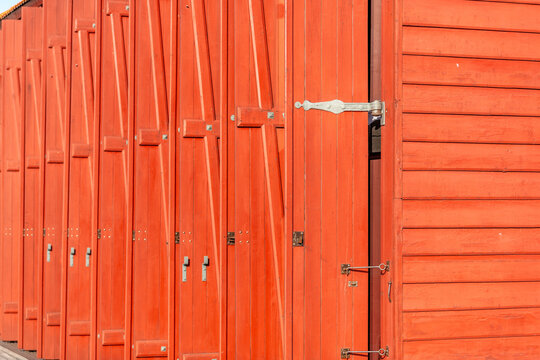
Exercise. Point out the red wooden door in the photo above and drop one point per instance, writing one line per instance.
(329, 190)
(257, 91)
(12, 142)
(153, 234)
(54, 176)
(32, 52)
(115, 180)
(83, 131)
(198, 179)
(460, 200)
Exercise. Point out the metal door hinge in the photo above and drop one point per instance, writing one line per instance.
(230, 238)
(347, 268)
(99, 233)
(376, 108)
(44, 232)
(133, 235)
(177, 237)
(383, 352)
(298, 238)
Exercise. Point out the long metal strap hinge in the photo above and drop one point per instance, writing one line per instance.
(383, 352)
(375, 108)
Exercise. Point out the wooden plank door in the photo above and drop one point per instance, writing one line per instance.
(257, 96)
(32, 18)
(198, 180)
(115, 180)
(329, 194)
(54, 176)
(461, 211)
(12, 142)
(2, 61)
(153, 206)
(83, 132)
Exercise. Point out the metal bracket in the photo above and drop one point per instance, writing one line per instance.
(347, 268)
(49, 250)
(230, 238)
(184, 268)
(383, 352)
(376, 108)
(206, 262)
(88, 253)
(71, 256)
(298, 238)
(177, 237)
(99, 233)
(44, 232)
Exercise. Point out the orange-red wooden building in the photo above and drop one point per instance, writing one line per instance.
(270, 179)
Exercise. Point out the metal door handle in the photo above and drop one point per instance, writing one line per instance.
(88, 253)
(389, 291)
(184, 268)
(71, 256)
(49, 250)
(205, 264)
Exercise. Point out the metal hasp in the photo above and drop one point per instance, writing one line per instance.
(347, 268)
(88, 253)
(206, 262)
(383, 352)
(49, 250)
(184, 268)
(71, 256)
(376, 108)
(298, 238)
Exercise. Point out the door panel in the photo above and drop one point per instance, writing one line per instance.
(12, 180)
(32, 52)
(114, 180)
(82, 207)
(152, 236)
(54, 194)
(258, 93)
(330, 179)
(198, 179)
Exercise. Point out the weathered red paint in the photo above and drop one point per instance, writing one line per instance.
(32, 53)
(12, 143)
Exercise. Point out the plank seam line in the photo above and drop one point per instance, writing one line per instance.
(509, 336)
(469, 28)
(474, 282)
(463, 56)
(472, 309)
(465, 86)
(433, 141)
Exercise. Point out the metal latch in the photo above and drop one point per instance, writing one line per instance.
(88, 253)
(49, 250)
(376, 108)
(184, 268)
(298, 238)
(206, 262)
(71, 256)
(347, 268)
(346, 352)
(230, 238)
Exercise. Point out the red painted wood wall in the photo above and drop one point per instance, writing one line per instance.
(459, 179)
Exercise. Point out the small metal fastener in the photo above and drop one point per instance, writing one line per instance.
(163, 349)
(164, 136)
(94, 25)
(209, 127)
(347, 268)
(127, 7)
(233, 118)
(270, 115)
(352, 284)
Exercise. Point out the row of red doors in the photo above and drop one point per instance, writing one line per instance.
(162, 196)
